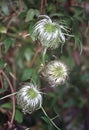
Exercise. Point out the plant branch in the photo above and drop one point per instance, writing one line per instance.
(1, 82)
(20, 6)
(41, 6)
(12, 91)
(50, 119)
(9, 95)
(38, 50)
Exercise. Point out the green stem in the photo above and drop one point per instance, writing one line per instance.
(55, 117)
(50, 119)
(43, 56)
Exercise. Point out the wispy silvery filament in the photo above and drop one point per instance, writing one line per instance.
(50, 34)
(29, 98)
(55, 73)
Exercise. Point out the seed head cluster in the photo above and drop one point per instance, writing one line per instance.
(51, 35)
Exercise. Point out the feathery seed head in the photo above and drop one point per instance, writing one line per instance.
(29, 98)
(50, 34)
(55, 73)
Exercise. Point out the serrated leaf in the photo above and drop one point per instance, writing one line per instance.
(18, 116)
(3, 29)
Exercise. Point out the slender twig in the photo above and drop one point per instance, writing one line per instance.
(20, 6)
(9, 95)
(13, 75)
(43, 56)
(41, 7)
(57, 5)
(55, 117)
(12, 91)
(1, 82)
(50, 119)
(38, 50)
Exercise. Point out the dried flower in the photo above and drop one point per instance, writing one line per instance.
(29, 98)
(55, 73)
(50, 34)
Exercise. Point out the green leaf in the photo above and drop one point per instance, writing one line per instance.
(8, 42)
(37, 13)
(85, 77)
(82, 102)
(78, 41)
(30, 14)
(18, 116)
(3, 29)
(4, 7)
(78, 11)
(6, 105)
(2, 90)
(31, 29)
(35, 76)
(71, 102)
(1, 64)
(28, 53)
(68, 60)
(27, 73)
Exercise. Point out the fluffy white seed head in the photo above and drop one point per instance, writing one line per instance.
(50, 34)
(55, 73)
(29, 98)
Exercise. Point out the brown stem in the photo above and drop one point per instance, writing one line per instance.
(12, 6)
(57, 5)
(13, 77)
(20, 6)
(35, 56)
(41, 7)
(1, 82)
(13, 97)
